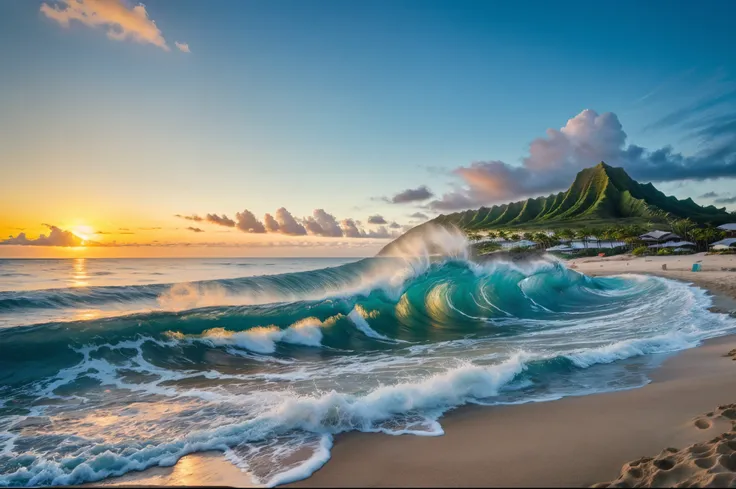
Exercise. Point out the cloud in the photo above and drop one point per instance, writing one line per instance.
(192, 217)
(419, 215)
(122, 22)
(381, 232)
(56, 237)
(702, 106)
(183, 47)
(220, 220)
(350, 229)
(323, 224)
(376, 220)
(725, 200)
(113, 232)
(708, 195)
(248, 223)
(146, 229)
(61, 238)
(585, 140)
(412, 195)
(272, 226)
(320, 223)
(287, 224)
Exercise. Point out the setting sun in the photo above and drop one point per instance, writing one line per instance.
(83, 232)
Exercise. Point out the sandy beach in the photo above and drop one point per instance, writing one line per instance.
(674, 422)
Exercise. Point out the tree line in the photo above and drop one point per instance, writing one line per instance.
(688, 230)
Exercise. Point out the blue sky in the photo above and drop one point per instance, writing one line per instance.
(331, 104)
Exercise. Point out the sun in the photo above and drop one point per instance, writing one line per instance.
(84, 233)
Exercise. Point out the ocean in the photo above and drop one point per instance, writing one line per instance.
(109, 366)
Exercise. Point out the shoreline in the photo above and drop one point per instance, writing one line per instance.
(574, 441)
(719, 283)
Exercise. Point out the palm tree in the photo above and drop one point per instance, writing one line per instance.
(698, 235)
(710, 234)
(473, 236)
(633, 232)
(683, 227)
(542, 239)
(566, 233)
(597, 233)
(608, 234)
(583, 233)
(620, 233)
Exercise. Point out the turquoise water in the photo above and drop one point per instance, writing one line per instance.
(128, 364)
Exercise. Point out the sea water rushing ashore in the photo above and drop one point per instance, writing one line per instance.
(268, 368)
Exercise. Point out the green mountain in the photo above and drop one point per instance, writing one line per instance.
(599, 195)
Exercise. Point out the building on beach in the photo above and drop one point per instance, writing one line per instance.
(659, 237)
(724, 244)
(730, 229)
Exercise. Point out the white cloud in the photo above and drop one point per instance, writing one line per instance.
(183, 47)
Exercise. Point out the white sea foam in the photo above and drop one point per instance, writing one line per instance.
(624, 349)
(263, 339)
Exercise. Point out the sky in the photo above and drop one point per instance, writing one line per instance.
(174, 128)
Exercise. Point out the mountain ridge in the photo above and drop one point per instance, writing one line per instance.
(598, 194)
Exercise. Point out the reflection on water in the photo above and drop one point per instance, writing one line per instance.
(79, 274)
(88, 314)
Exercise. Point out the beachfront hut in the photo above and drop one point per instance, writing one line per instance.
(589, 245)
(659, 237)
(524, 243)
(562, 248)
(674, 244)
(728, 243)
(730, 229)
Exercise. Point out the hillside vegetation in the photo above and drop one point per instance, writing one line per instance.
(597, 195)
(600, 196)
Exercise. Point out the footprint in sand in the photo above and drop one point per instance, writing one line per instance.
(702, 423)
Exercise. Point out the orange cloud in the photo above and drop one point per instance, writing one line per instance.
(123, 23)
(56, 237)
